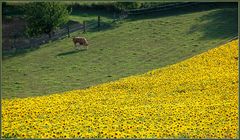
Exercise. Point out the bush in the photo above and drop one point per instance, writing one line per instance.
(44, 17)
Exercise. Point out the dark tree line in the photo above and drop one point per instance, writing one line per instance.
(45, 17)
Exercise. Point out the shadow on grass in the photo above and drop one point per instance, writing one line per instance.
(91, 13)
(71, 52)
(197, 7)
(17, 52)
(222, 23)
(104, 26)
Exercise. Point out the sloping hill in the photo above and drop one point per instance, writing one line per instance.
(196, 98)
(124, 49)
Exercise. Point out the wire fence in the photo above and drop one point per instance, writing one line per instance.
(18, 42)
(160, 8)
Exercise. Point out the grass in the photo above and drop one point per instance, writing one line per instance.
(89, 15)
(132, 47)
(195, 98)
(91, 18)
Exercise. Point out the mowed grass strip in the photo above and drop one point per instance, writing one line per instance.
(196, 98)
(126, 48)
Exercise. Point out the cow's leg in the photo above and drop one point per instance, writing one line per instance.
(75, 45)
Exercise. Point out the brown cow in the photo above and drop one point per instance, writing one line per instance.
(81, 41)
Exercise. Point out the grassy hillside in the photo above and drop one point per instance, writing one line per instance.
(127, 48)
(196, 98)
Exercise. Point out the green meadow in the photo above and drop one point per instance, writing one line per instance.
(120, 49)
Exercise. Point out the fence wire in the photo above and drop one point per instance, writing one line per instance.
(25, 43)
(16, 42)
(160, 8)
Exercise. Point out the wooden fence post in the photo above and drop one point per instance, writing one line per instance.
(68, 31)
(98, 23)
(84, 26)
(114, 16)
(14, 40)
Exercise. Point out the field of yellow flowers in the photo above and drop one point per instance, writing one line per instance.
(197, 98)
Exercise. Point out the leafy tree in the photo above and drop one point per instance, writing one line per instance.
(45, 17)
(126, 5)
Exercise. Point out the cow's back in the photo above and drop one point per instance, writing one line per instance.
(80, 40)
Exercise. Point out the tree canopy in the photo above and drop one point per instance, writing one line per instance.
(44, 17)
